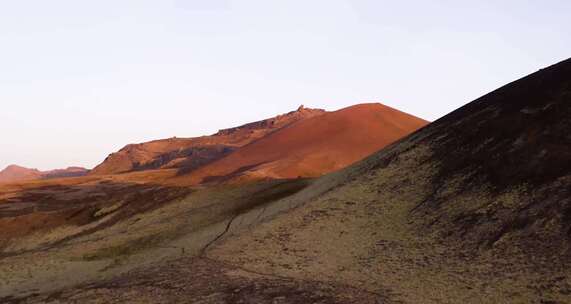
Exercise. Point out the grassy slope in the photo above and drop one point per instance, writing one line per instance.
(65, 256)
(362, 234)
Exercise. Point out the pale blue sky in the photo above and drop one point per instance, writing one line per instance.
(80, 79)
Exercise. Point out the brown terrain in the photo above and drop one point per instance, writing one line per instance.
(473, 208)
(30, 206)
(14, 173)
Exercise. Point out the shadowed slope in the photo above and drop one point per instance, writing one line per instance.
(314, 146)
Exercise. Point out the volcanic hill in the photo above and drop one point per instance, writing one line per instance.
(314, 146)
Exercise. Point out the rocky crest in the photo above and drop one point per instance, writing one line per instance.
(275, 122)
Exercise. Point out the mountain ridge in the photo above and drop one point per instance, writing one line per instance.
(187, 154)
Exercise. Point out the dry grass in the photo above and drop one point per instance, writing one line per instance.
(182, 227)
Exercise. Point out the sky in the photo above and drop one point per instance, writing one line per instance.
(81, 79)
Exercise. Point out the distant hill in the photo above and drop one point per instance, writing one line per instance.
(188, 154)
(68, 172)
(14, 173)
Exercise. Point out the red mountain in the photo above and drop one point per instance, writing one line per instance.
(314, 146)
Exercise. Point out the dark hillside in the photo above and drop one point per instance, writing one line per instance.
(512, 144)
